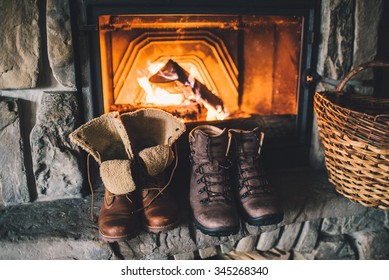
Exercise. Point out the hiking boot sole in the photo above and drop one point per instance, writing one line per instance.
(265, 220)
(222, 231)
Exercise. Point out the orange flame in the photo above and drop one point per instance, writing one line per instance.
(159, 96)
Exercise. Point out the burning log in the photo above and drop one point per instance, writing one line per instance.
(172, 72)
(188, 112)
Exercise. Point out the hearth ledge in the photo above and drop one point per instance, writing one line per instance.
(62, 229)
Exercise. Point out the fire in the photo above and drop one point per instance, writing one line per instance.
(175, 93)
(154, 67)
(159, 96)
(215, 114)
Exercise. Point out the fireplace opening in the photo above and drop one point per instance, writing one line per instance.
(241, 69)
(201, 67)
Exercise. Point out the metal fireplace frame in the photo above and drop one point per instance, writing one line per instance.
(290, 152)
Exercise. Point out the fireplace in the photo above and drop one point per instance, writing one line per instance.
(232, 65)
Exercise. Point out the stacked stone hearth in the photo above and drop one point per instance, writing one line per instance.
(45, 204)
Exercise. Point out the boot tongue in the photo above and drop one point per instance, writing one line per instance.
(248, 142)
(217, 146)
(211, 144)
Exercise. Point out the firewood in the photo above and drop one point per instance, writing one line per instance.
(172, 72)
(187, 112)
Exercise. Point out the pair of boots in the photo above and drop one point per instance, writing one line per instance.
(133, 151)
(227, 180)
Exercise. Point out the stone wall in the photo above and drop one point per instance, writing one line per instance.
(13, 180)
(348, 38)
(38, 103)
(21, 44)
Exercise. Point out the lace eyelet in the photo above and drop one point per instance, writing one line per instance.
(204, 201)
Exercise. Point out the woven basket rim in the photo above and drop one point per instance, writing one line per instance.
(358, 126)
(325, 94)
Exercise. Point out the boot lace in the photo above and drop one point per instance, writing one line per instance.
(250, 174)
(252, 178)
(220, 178)
(92, 215)
(154, 185)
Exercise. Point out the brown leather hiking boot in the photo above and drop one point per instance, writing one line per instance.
(118, 219)
(161, 211)
(257, 200)
(105, 139)
(152, 133)
(211, 197)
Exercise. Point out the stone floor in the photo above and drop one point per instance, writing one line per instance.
(319, 224)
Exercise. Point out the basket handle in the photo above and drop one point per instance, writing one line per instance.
(381, 116)
(358, 69)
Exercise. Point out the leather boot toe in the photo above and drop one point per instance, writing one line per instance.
(161, 211)
(262, 211)
(118, 219)
(217, 220)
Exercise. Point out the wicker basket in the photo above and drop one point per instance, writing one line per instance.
(354, 131)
